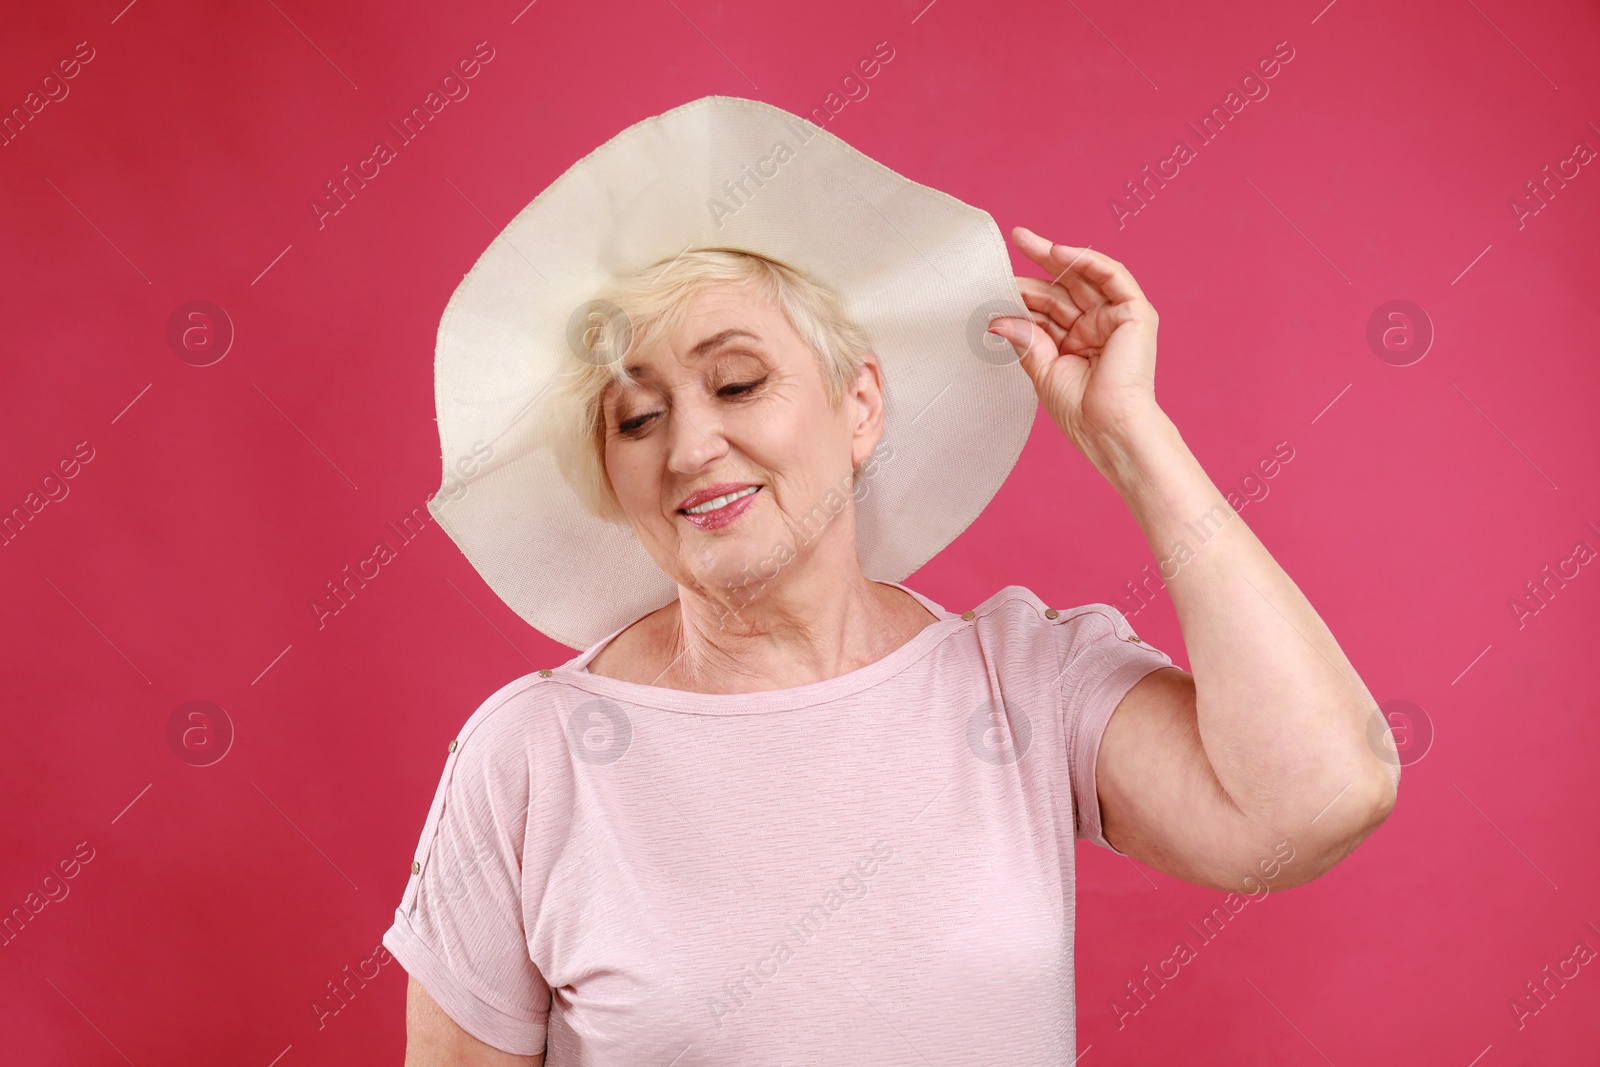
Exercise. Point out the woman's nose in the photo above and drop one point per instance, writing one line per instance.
(694, 438)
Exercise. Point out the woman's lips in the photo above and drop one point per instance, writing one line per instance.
(712, 520)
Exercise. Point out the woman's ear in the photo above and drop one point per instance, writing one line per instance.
(867, 395)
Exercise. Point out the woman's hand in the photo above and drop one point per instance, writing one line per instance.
(1089, 345)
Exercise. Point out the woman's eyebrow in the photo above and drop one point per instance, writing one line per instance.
(718, 339)
(700, 350)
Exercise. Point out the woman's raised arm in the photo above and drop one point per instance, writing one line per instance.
(1272, 737)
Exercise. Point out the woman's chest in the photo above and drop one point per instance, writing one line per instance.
(805, 909)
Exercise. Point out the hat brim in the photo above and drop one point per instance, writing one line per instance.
(920, 271)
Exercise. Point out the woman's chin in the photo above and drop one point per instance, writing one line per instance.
(732, 563)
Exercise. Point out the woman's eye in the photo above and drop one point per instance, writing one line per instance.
(634, 426)
(735, 390)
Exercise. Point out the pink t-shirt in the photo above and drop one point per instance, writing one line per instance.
(876, 868)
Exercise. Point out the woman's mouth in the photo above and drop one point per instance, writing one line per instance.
(721, 510)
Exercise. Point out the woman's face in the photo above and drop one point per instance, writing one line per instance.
(735, 401)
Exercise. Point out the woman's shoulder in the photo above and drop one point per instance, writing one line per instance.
(1020, 603)
(512, 718)
(1016, 605)
(1016, 614)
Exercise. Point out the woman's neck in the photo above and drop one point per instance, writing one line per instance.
(782, 639)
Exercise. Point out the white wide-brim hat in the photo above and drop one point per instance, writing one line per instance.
(919, 271)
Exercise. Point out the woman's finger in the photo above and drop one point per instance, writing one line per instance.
(1037, 249)
(1011, 324)
(1025, 341)
(1106, 274)
(1083, 293)
(1050, 326)
(1053, 300)
(1110, 276)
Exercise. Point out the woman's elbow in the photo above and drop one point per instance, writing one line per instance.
(1366, 807)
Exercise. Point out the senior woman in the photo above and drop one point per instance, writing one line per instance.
(799, 814)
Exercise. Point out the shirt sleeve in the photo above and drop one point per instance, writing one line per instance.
(459, 930)
(1102, 660)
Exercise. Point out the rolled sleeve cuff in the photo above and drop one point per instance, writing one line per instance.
(482, 1020)
(1102, 689)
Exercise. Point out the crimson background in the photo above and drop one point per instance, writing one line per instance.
(220, 499)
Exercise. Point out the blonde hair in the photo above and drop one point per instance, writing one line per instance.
(644, 308)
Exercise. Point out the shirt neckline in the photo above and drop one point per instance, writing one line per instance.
(575, 672)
